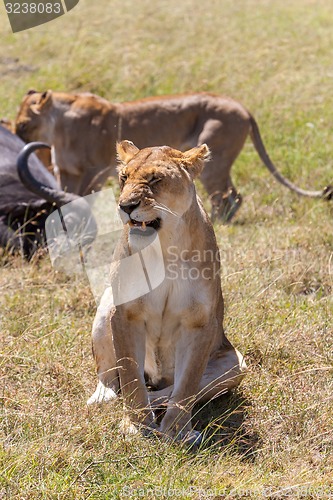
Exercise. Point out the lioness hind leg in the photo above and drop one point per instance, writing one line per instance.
(223, 373)
(104, 354)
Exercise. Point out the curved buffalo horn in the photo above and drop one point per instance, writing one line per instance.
(79, 220)
(48, 193)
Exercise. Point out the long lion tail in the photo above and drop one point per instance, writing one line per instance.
(326, 193)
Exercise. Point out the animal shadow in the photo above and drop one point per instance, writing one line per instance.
(223, 424)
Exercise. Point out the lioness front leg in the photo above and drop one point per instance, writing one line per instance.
(104, 354)
(129, 345)
(192, 353)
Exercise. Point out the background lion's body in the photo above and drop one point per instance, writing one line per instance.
(84, 128)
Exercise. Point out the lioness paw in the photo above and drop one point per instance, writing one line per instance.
(102, 394)
(191, 439)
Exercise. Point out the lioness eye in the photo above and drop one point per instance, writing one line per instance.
(154, 180)
(123, 178)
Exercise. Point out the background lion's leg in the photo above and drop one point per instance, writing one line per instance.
(225, 145)
(93, 179)
(104, 354)
(88, 180)
(225, 204)
(69, 182)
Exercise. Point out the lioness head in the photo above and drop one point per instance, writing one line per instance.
(157, 184)
(32, 121)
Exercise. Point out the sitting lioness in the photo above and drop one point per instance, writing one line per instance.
(172, 337)
(83, 130)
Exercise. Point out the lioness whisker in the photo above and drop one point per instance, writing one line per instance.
(163, 208)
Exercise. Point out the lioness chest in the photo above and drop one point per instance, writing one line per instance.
(168, 312)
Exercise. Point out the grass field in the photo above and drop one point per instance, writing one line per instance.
(273, 437)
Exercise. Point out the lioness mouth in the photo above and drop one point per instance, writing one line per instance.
(142, 226)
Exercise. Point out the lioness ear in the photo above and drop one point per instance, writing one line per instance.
(195, 159)
(44, 103)
(126, 150)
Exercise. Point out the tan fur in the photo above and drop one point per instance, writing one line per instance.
(174, 334)
(8, 124)
(43, 154)
(83, 128)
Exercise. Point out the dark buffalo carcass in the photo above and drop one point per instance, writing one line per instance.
(28, 194)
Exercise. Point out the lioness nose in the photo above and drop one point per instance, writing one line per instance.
(128, 207)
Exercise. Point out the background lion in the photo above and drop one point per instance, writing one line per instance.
(84, 128)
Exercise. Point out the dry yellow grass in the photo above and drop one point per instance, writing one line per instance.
(273, 438)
